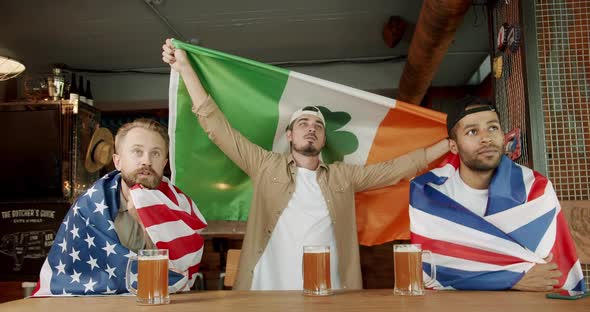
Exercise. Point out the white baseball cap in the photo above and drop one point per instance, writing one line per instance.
(307, 110)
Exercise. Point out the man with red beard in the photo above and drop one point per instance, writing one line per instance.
(129, 209)
(141, 153)
(490, 223)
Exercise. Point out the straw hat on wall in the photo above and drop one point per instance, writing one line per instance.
(100, 150)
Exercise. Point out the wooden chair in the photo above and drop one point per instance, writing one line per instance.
(228, 277)
(577, 213)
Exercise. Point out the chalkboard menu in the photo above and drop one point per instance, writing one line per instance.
(27, 231)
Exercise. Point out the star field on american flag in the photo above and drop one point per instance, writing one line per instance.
(88, 257)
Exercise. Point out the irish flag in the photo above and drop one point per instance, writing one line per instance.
(361, 128)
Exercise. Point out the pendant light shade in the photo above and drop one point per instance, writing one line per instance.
(10, 68)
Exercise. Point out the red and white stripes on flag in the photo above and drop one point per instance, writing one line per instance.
(522, 225)
(173, 222)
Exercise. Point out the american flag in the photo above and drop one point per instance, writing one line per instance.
(87, 257)
(522, 225)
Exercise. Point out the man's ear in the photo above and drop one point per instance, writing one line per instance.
(289, 136)
(453, 146)
(117, 161)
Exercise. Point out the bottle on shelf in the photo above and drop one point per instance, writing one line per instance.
(66, 93)
(74, 95)
(55, 84)
(81, 90)
(88, 91)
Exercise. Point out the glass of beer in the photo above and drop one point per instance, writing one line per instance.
(152, 276)
(407, 267)
(316, 271)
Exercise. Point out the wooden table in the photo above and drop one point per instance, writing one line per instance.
(225, 229)
(363, 300)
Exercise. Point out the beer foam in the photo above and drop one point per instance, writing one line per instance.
(152, 258)
(316, 249)
(407, 248)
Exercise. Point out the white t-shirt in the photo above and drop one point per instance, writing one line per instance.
(305, 221)
(472, 199)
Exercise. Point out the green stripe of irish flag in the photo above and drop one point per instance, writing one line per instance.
(248, 93)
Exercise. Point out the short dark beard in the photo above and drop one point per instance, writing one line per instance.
(479, 166)
(308, 150)
(152, 182)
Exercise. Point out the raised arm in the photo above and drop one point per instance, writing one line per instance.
(178, 61)
(245, 154)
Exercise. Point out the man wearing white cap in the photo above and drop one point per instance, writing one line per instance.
(298, 200)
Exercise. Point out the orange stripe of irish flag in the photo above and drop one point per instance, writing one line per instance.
(382, 215)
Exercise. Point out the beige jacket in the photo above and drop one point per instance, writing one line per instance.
(273, 179)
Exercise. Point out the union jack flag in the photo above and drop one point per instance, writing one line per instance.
(522, 225)
(87, 257)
